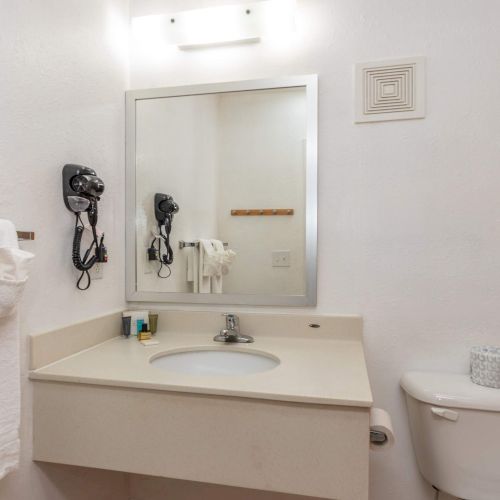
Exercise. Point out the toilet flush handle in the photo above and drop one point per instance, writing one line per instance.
(445, 413)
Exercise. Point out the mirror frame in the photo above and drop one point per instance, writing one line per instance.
(310, 82)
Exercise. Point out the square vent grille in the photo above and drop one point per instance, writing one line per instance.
(390, 90)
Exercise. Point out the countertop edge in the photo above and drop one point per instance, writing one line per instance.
(126, 384)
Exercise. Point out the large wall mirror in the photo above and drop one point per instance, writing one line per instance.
(221, 193)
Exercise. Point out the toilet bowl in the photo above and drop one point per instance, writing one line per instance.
(455, 429)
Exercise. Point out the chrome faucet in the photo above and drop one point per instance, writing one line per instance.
(232, 331)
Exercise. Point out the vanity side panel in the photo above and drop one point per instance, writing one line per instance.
(312, 450)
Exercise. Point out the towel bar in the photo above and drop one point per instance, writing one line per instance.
(184, 244)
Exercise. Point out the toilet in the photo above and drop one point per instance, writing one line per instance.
(455, 429)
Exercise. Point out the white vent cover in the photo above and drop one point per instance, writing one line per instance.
(390, 90)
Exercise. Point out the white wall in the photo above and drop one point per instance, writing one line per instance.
(199, 150)
(62, 78)
(176, 154)
(261, 137)
(408, 211)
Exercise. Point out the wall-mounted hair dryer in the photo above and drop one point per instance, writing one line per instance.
(81, 192)
(165, 207)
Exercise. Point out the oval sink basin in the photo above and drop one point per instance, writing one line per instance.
(215, 362)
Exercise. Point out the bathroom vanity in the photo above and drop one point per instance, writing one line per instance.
(235, 165)
(298, 424)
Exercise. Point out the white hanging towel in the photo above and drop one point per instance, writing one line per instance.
(205, 252)
(216, 279)
(227, 256)
(13, 277)
(212, 265)
(224, 259)
(207, 264)
(193, 259)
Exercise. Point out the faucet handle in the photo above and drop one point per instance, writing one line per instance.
(232, 321)
(231, 333)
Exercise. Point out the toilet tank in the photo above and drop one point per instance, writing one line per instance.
(455, 429)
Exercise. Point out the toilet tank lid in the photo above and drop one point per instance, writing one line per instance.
(454, 390)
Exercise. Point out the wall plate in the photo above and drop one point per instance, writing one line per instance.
(97, 271)
(281, 258)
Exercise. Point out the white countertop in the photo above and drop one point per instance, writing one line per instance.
(311, 370)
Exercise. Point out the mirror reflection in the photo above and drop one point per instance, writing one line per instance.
(220, 192)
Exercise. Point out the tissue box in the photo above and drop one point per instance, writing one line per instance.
(485, 366)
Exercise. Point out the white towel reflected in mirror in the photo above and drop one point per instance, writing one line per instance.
(207, 264)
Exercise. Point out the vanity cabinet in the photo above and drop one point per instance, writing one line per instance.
(305, 449)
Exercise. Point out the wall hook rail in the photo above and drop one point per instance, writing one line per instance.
(25, 235)
(242, 212)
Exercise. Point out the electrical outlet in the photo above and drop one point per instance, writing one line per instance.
(150, 262)
(97, 271)
(281, 258)
(147, 268)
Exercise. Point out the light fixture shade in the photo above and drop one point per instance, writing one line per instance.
(220, 25)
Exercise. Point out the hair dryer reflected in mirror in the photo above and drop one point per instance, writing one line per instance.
(165, 207)
(81, 192)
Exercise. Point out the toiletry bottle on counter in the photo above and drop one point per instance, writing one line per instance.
(144, 334)
(126, 324)
(153, 322)
(137, 319)
(140, 324)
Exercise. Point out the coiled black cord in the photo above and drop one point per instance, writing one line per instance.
(82, 264)
(163, 262)
(166, 258)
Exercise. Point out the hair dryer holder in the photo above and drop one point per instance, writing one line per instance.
(70, 171)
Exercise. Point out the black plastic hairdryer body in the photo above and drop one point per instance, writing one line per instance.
(165, 207)
(81, 192)
(81, 182)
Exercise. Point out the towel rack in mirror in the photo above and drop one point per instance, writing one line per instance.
(196, 244)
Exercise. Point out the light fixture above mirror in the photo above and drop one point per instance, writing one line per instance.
(219, 25)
